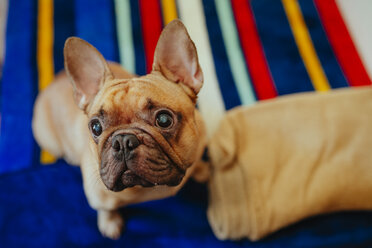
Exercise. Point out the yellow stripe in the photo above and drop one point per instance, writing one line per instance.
(45, 55)
(45, 43)
(305, 45)
(169, 10)
(46, 157)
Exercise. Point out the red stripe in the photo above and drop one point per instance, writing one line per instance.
(151, 21)
(253, 51)
(342, 43)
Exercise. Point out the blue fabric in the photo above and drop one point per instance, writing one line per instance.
(137, 39)
(223, 71)
(46, 207)
(288, 70)
(64, 27)
(95, 23)
(19, 87)
(325, 53)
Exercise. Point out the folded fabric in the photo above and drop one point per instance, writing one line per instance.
(289, 158)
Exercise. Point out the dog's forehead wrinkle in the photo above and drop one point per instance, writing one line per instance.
(149, 104)
(101, 113)
(162, 91)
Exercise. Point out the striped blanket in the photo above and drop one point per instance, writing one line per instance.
(249, 51)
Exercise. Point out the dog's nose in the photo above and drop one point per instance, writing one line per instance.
(130, 142)
(126, 142)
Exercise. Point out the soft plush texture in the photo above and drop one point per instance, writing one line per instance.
(290, 158)
(46, 207)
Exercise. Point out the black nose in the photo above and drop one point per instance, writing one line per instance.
(130, 142)
(127, 142)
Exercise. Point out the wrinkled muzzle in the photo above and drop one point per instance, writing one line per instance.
(133, 157)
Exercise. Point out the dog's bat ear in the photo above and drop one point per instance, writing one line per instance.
(86, 68)
(176, 57)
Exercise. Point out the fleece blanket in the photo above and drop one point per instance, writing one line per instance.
(249, 51)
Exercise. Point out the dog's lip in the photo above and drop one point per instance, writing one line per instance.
(131, 179)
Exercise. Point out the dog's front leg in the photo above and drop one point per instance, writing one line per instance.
(110, 222)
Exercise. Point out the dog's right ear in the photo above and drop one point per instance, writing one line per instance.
(177, 59)
(86, 68)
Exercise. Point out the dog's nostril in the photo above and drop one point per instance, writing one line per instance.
(116, 144)
(131, 142)
(126, 142)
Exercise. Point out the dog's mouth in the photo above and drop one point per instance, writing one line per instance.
(136, 159)
(128, 179)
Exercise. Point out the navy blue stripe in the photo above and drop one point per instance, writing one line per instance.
(286, 66)
(95, 23)
(323, 48)
(64, 27)
(225, 79)
(137, 38)
(19, 87)
(35, 75)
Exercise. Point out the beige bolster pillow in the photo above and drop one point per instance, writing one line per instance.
(289, 158)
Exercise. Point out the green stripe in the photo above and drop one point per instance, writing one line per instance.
(124, 31)
(234, 52)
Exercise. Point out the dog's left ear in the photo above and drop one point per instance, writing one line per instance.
(86, 68)
(176, 57)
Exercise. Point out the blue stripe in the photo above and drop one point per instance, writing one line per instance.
(284, 60)
(324, 50)
(95, 23)
(225, 79)
(137, 38)
(19, 87)
(64, 27)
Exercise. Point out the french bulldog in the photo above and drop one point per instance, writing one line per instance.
(135, 138)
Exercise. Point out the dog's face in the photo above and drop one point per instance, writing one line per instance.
(143, 130)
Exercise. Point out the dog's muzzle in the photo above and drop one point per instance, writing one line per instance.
(135, 158)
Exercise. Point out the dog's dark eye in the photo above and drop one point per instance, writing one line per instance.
(164, 120)
(96, 127)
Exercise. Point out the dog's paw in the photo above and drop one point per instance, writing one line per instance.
(110, 224)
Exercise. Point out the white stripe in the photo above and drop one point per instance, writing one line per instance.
(124, 31)
(3, 20)
(210, 100)
(357, 17)
(234, 52)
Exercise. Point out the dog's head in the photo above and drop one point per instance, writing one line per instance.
(143, 129)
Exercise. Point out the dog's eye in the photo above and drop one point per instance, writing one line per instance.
(164, 120)
(96, 127)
